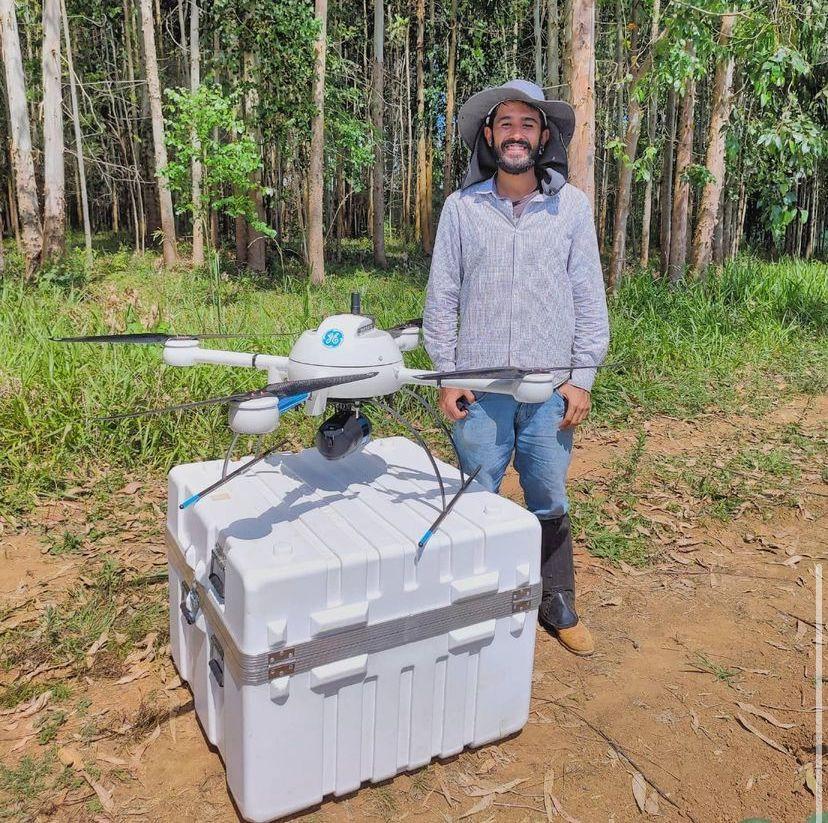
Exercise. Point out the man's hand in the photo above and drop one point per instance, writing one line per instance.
(578, 404)
(448, 402)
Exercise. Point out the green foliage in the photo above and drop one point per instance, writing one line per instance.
(698, 175)
(203, 126)
(706, 344)
(279, 36)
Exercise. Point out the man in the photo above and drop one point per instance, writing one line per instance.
(516, 262)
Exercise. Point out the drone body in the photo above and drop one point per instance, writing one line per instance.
(347, 361)
(344, 345)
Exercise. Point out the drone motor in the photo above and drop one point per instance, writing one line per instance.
(346, 432)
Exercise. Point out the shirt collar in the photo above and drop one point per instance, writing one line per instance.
(488, 187)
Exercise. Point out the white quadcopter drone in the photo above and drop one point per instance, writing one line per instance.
(346, 361)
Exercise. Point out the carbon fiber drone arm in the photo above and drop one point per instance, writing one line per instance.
(528, 388)
(190, 353)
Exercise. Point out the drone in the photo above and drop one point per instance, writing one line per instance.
(348, 363)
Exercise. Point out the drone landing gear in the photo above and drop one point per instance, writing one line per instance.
(465, 482)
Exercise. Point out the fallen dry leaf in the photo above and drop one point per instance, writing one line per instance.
(138, 753)
(751, 709)
(480, 791)
(764, 738)
(639, 790)
(130, 488)
(478, 807)
(548, 780)
(30, 708)
(21, 743)
(103, 795)
(135, 674)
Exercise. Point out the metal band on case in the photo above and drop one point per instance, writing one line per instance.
(255, 669)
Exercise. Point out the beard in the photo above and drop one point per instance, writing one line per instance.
(516, 165)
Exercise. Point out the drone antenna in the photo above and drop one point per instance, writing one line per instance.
(356, 307)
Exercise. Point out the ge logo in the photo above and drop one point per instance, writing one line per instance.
(332, 338)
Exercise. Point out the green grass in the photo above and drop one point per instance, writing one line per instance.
(67, 543)
(604, 515)
(20, 691)
(723, 674)
(28, 780)
(721, 344)
(731, 477)
(68, 629)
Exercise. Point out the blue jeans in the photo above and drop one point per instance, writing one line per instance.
(497, 425)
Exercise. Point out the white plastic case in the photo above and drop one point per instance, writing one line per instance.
(322, 647)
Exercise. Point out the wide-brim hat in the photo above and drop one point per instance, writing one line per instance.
(473, 113)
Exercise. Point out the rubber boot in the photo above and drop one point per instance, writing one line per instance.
(557, 609)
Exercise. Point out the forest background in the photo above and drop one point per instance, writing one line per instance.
(281, 128)
(241, 167)
(202, 168)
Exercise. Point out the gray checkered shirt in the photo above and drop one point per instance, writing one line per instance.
(527, 293)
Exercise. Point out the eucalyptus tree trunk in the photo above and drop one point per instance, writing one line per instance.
(154, 87)
(666, 190)
(54, 198)
(718, 234)
(708, 211)
(623, 196)
(197, 172)
(553, 72)
(681, 188)
(28, 208)
(377, 187)
(538, 31)
(566, 63)
(451, 88)
(139, 215)
(813, 214)
(256, 257)
(182, 28)
(582, 95)
(651, 124)
(409, 168)
(423, 210)
(316, 170)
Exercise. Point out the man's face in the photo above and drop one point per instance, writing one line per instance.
(516, 136)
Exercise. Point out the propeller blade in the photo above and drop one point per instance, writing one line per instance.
(148, 338)
(287, 389)
(504, 373)
(312, 384)
(396, 331)
(143, 337)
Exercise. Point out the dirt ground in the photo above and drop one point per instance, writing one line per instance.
(698, 704)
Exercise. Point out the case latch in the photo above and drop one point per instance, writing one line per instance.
(522, 599)
(217, 660)
(216, 575)
(190, 604)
